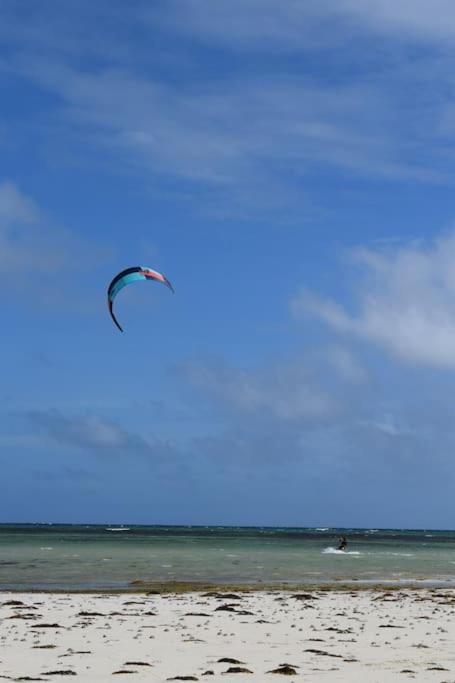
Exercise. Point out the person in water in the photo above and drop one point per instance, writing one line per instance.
(342, 543)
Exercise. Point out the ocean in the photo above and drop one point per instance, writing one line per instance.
(78, 557)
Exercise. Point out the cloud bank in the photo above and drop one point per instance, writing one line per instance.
(404, 302)
(93, 435)
(35, 253)
(249, 137)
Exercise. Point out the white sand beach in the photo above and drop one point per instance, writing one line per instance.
(363, 635)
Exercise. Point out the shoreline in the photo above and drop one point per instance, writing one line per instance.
(182, 587)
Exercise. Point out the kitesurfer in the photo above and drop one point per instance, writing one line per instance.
(342, 543)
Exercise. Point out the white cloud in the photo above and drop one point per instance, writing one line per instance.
(26, 241)
(405, 302)
(15, 207)
(249, 135)
(286, 25)
(388, 426)
(285, 392)
(346, 365)
(91, 432)
(418, 19)
(99, 432)
(245, 132)
(31, 244)
(289, 25)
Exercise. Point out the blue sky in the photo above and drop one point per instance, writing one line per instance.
(289, 166)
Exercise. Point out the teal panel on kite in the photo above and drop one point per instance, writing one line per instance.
(126, 277)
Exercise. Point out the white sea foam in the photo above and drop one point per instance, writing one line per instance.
(335, 551)
(46, 548)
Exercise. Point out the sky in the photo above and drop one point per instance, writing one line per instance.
(290, 167)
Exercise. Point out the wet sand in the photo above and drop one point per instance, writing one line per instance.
(337, 635)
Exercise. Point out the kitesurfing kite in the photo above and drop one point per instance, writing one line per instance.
(128, 276)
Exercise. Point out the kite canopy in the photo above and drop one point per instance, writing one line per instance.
(128, 276)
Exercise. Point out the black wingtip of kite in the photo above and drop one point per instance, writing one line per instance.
(117, 324)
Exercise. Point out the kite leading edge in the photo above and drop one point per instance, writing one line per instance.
(128, 276)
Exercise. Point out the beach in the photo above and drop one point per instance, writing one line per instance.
(228, 603)
(315, 635)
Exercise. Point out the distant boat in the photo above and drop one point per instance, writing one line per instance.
(118, 528)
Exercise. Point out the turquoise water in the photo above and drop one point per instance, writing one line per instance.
(72, 557)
